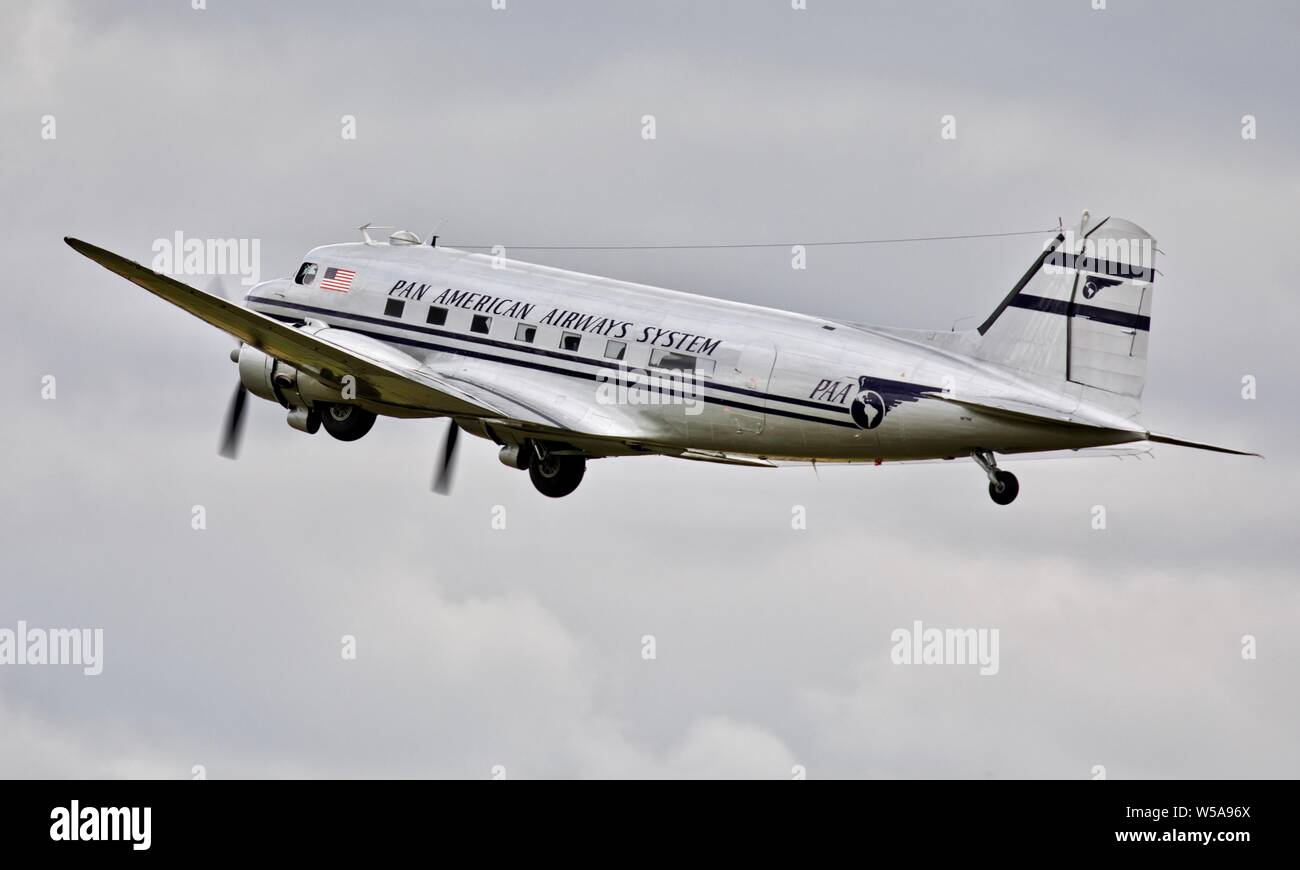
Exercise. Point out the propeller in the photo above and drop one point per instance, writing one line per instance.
(235, 413)
(234, 423)
(442, 474)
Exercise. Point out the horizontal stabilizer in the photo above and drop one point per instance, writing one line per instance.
(1028, 412)
(1182, 442)
(1034, 413)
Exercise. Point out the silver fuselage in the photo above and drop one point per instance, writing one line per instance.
(776, 384)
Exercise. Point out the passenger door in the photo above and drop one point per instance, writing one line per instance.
(748, 372)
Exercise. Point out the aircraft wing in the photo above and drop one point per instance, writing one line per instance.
(395, 379)
(545, 407)
(524, 408)
(388, 375)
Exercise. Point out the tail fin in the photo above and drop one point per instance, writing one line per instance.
(1081, 314)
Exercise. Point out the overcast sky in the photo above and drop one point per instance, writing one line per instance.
(522, 648)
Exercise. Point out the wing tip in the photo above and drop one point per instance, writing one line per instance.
(83, 248)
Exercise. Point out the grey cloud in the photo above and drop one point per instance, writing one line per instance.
(522, 647)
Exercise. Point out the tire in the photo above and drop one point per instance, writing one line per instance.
(557, 476)
(345, 422)
(1006, 489)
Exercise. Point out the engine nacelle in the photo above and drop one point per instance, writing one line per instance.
(277, 381)
(304, 420)
(515, 455)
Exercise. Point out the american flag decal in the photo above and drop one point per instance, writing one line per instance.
(339, 280)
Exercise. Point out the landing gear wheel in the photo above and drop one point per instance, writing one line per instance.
(345, 422)
(557, 476)
(1005, 489)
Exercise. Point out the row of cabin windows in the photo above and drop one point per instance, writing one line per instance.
(569, 341)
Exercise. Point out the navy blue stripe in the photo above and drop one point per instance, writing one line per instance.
(591, 376)
(1084, 263)
(1092, 312)
(882, 385)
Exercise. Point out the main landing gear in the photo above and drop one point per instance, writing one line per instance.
(557, 474)
(554, 472)
(345, 422)
(555, 469)
(1003, 486)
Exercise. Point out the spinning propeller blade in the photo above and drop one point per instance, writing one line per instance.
(442, 475)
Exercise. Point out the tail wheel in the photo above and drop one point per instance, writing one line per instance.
(346, 422)
(1004, 488)
(557, 476)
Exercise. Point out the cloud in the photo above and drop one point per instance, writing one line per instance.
(521, 647)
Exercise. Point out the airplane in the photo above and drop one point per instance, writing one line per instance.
(557, 367)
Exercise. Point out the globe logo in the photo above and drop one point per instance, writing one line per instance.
(868, 409)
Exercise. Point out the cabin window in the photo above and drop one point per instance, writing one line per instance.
(480, 323)
(673, 361)
(306, 274)
(615, 349)
(570, 341)
(525, 332)
(681, 362)
(393, 307)
(437, 315)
